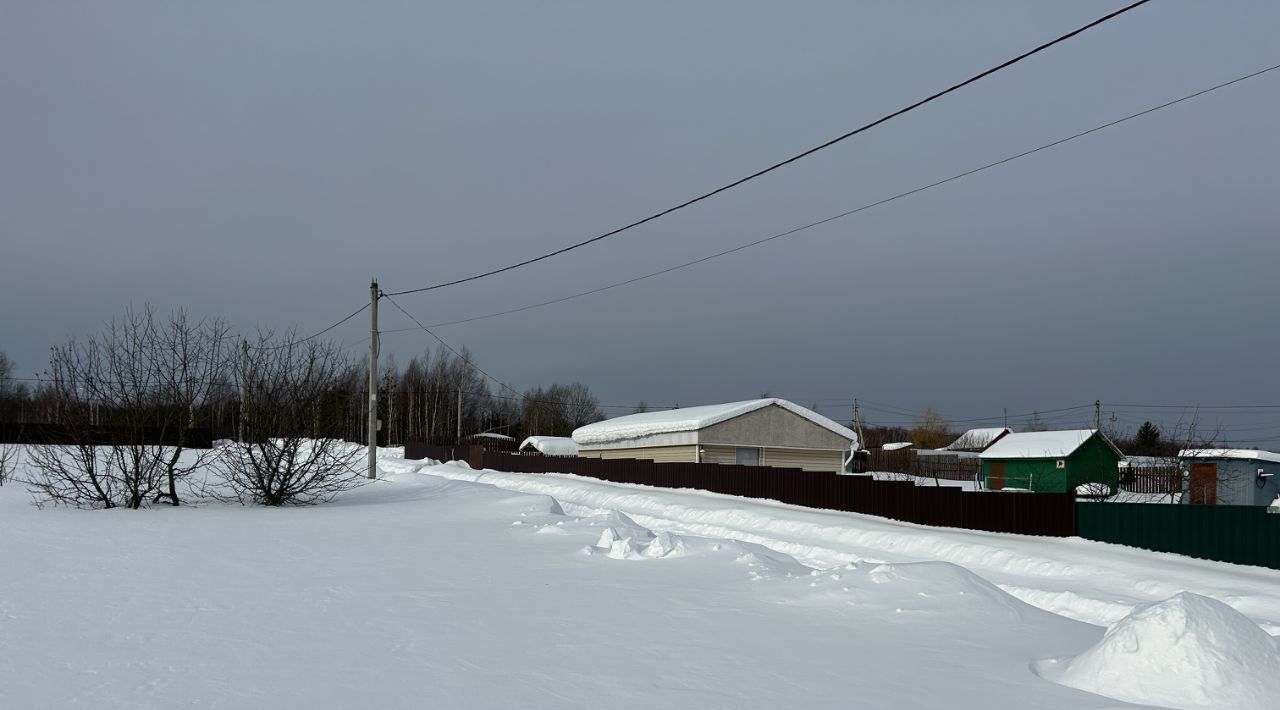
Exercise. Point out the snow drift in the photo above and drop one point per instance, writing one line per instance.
(1187, 651)
(625, 539)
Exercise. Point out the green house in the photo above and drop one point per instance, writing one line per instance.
(1052, 461)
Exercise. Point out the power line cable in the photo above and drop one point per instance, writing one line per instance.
(851, 212)
(309, 338)
(782, 163)
(518, 395)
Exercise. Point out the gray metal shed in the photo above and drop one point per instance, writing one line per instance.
(1229, 476)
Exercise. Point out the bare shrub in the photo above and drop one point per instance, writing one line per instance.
(114, 399)
(287, 458)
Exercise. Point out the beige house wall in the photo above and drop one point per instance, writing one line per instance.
(806, 459)
(659, 454)
(719, 454)
(773, 426)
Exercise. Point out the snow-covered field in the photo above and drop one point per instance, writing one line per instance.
(439, 586)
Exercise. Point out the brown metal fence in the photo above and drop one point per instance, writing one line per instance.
(104, 435)
(1050, 514)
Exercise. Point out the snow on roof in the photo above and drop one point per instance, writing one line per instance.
(490, 435)
(896, 445)
(977, 439)
(1039, 445)
(634, 426)
(1247, 454)
(551, 445)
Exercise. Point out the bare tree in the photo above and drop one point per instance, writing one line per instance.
(282, 462)
(14, 395)
(191, 359)
(73, 472)
(1187, 435)
(9, 459)
(930, 429)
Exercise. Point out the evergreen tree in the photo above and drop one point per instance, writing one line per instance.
(1148, 438)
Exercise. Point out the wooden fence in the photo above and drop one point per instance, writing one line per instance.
(1050, 514)
(913, 463)
(1151, 479)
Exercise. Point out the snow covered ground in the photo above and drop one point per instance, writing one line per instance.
(439, 586)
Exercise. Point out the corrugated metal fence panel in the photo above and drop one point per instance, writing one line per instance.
(1029, 514)
(1243, 534)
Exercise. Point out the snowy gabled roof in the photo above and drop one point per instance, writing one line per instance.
(551, 445)
(1247, 454)
(635, 426)
(896, 445)
(978, 439)
(1041, 445)
(490, 435)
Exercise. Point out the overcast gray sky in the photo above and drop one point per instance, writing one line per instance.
(260, 161)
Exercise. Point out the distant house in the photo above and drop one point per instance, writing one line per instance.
(1051, 461)
(757, 432)
(896, 446)
(491, 441)
(977, 440)
(549, 446)
(1229, 476)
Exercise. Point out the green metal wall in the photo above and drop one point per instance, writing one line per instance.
(1243, 534)
(1093, 462)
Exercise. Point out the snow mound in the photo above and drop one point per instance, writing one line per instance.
(625, 539)
(1187, 651)
(943, 586)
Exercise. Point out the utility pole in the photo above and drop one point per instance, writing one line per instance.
(1097, 414)
(458, 437)
(857, 424)
(244, 384)
(373, 379)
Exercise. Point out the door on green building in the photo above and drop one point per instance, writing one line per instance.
(1203, 487)
(995, 480)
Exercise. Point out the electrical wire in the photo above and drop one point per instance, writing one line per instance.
(782, 163)
(851, 212)
(293, 343)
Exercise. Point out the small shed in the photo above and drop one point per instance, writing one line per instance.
(549, 446)
(756, 432)
(977, 440)
(1229, 476)
(1052, 461)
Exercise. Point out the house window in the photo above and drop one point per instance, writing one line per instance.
(748, 456)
